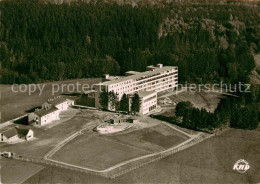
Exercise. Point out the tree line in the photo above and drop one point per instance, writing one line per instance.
(46, 42)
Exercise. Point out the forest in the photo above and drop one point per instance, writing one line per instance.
(48, 42)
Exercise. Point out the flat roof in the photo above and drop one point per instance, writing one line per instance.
(136, 76)
(133, 72)
(113, 77)
(145, 93)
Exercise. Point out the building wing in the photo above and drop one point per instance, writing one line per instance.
(10, 132)
(45, 111)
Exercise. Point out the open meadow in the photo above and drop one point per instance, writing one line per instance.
(13, 171)
(96, 153)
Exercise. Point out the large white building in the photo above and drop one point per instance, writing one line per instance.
(155, 79)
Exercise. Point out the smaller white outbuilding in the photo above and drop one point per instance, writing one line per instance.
(9, 136)
(14, 134)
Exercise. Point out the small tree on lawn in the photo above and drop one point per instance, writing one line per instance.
(135, 106)
(103, 99)
(124, 103)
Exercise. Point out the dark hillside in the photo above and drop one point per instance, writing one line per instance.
(43, 41)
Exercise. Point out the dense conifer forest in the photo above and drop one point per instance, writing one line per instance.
(45, 41)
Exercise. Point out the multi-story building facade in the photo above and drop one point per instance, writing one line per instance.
(156, 78)
(50, 111)
(45, 115)
(148, 101)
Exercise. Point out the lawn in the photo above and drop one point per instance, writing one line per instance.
(210, 161)
(96, 153)
(13, 171)
(152, 139)
(15, 104)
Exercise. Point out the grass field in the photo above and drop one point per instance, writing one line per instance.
(13, 171)
(208, 162)
(96, 153)
(15, 104)
(100, 152)
(153, 139)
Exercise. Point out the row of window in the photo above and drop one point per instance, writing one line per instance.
(154, 87)
(156, 78)
(152, 107)
(120, 88)
(149, 76)
(119, 84)
(149, 104)
(149, 108)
